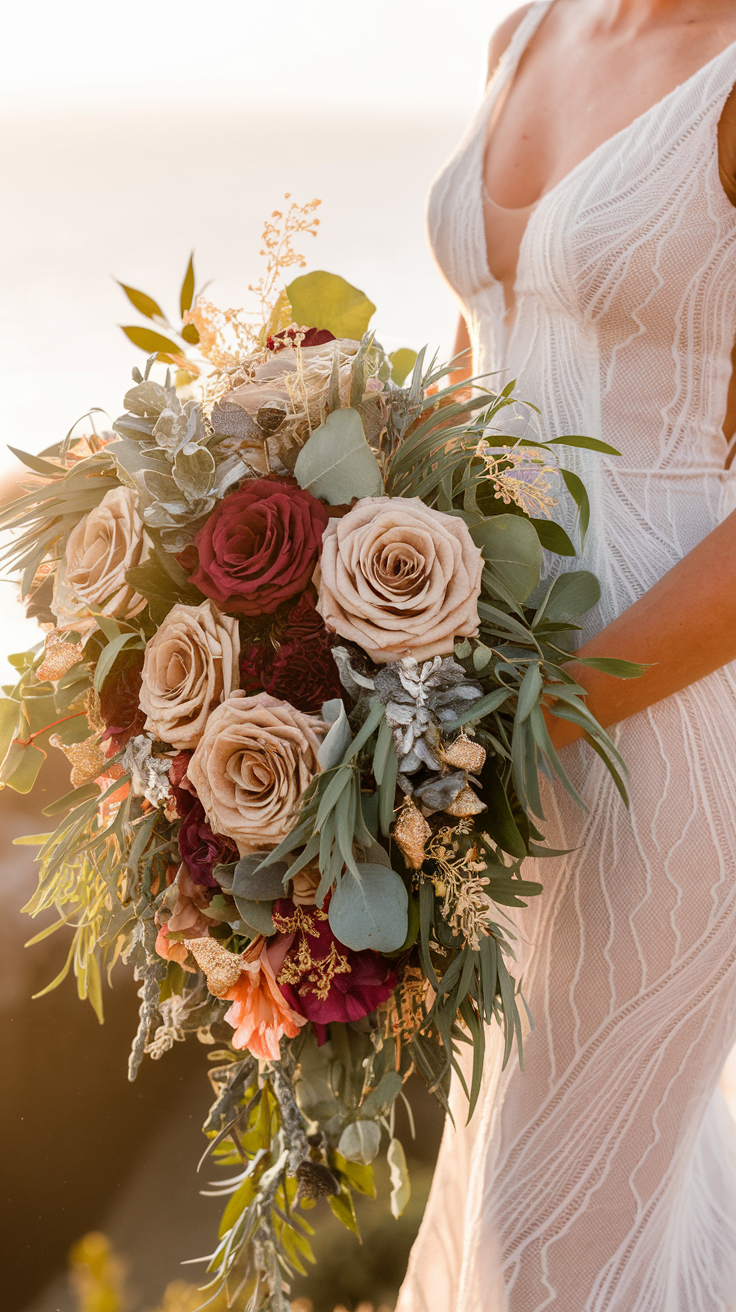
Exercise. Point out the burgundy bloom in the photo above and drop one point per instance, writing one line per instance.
(299, 667)
(199, 848)
(119, 707)
(259, 547)
(321, 978)
(309, 336)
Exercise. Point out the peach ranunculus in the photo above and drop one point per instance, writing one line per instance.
(190, 666)
(260, 1014)
(399, 579)
(102, 546)
(255, 759)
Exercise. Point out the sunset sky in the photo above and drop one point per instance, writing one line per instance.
(135, 133)
(388, 53)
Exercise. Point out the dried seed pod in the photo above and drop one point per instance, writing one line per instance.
(466, 803)
(270, 417)
(59, 658)
(222, 968)
(412, 832)
(86, 759)
(315, 1181)
(465, 754)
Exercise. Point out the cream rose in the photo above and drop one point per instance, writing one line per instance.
(399, 579)
(109, 540)
(190, 666)
(254, 761)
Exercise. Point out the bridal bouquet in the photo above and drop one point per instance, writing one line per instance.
(299, 627)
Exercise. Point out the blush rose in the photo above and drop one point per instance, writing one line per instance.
(254, 761)
(400, 579)
(103, 545)
(190, 666)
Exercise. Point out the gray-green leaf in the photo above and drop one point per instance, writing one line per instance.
(512, 551)
(337, 463)
(400, 1183)
(360, 1141)
(371, 911)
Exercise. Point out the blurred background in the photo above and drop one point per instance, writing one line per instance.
(133, 134)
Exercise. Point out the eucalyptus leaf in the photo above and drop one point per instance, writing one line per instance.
(9, 721)
(569, 596)
(512, 551)
(360, 1141)
(553, 537)
(337, 464)
(402, 363)
(256, 914)
(400, 1183)
(371, 911)
(27, 767)
(325, 300)
(258, 885)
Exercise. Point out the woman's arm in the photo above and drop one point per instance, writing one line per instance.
(462, 347)
(684, 628)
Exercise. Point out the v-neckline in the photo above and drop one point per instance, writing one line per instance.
(515, 52)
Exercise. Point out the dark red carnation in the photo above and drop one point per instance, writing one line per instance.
(119, 709)
(259, 547)
(321, 978)
(199, 847)
(309, 336)
(296, 666)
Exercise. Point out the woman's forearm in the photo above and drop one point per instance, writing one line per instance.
(462, 348)
(683, 628)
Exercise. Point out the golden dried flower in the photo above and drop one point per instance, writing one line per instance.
(465, 754)
(86, 759)
(411, 833)
(61, 656)
(465, 803)
(222, 968)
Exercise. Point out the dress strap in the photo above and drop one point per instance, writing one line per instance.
(509, 60)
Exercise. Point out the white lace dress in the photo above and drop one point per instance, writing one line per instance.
(604, 1176)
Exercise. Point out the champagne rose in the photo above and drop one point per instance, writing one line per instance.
(190, 666)
(254, 761)
(399, 579)
(104, 544)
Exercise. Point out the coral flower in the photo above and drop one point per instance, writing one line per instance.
(260, 1014)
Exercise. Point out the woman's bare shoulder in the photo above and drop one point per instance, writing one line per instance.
(502, 36)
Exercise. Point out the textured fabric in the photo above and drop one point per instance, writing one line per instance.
(604, 1176)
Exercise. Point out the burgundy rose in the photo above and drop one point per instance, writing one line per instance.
(199, 848)
(259, 547)
(321, 978)
(297, 666)
(309, 336)
(119, 709)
